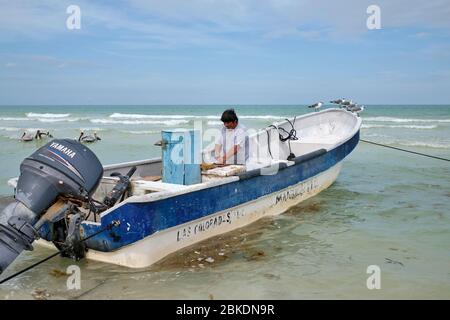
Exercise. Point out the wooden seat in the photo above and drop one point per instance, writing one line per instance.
(150, 178)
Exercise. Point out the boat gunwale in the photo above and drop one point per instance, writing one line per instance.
(161, 195)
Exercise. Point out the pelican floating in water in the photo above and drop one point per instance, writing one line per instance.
(39, 134)
(88, 138)
(27, 137)
(316, 106)
(48, 134)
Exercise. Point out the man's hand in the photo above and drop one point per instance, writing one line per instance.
(220, 160)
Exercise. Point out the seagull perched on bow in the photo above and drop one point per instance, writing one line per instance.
(347, 102)
(356, 108)
(338, 101)
(316, 106)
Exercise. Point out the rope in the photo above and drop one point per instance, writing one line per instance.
(291, 135)
(395, 148)
(108, 227)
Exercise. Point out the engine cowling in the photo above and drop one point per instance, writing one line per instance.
(63, 167)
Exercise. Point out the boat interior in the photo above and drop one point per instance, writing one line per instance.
(309, 133)
(314, 131)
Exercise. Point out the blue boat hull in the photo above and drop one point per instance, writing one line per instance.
(148, 219)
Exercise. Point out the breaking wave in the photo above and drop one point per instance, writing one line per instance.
(400, 120)
(140, 132)
(14, 119)
(47, 115)
(167, 123)
(368, 126)
(214, 123)
(117, 115)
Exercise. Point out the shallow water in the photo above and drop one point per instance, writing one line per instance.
(387, 208)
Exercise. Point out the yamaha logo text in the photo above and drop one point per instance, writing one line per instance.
(61, 148)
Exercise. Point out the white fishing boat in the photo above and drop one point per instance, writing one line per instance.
(151, 208)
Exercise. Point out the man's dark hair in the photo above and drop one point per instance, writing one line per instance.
(229, 116)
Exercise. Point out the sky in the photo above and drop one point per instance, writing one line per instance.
(144, 52)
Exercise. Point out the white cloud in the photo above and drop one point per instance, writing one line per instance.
(219, 23)
(210, 22)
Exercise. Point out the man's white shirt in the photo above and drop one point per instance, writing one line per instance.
(234, 137)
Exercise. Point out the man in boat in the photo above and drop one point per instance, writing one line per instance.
(231, 146)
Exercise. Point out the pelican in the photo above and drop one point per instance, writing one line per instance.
(89, 138)
(27, 137)
(40, 133)
(316, 106)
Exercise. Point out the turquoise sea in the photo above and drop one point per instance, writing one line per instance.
(387, 208)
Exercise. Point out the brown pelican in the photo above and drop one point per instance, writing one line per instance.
(88, 138)
(27, 137)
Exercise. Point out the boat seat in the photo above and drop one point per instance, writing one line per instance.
(141, 187)
(149, 178)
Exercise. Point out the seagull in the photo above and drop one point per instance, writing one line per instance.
(347, 102)
(338, 101)
(356, 108)
(316, 106)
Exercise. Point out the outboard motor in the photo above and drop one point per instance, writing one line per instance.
(63, 167)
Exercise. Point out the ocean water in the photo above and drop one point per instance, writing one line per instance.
(387, 208)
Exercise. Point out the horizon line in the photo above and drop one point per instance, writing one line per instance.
(209, 105)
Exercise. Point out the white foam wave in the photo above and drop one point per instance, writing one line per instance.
(147, 116)
(425, 144)
(47, 115)
(214, 123)
(93, 129)
(269, 117)
(118, 115)
(58, 120)
(140, 132)
(10, 137)
(400, 120)
(371, 134)
(17, 132)
(14, 119)
(167, 122)
(368, 126)
(41, 119)
(10, 129)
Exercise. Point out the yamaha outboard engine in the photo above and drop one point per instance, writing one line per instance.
(63, 167)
